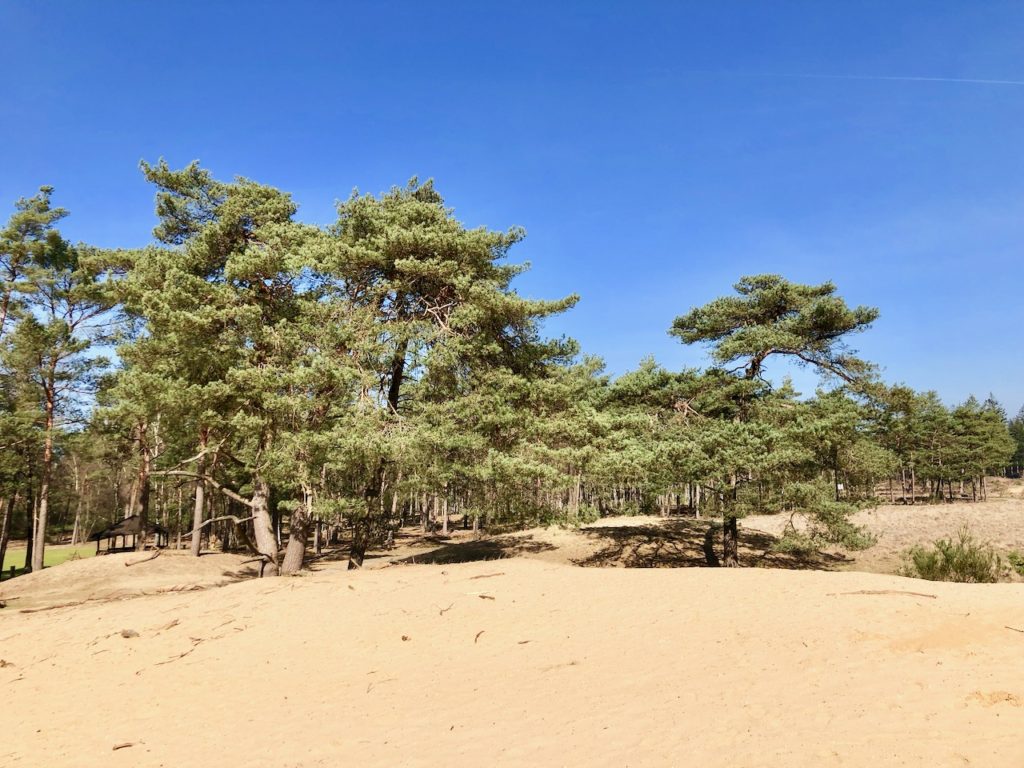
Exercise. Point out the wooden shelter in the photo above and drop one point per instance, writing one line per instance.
(123, 535)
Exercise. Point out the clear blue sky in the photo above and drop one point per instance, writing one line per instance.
(654, 151)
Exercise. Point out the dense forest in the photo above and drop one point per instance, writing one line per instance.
(257, 383)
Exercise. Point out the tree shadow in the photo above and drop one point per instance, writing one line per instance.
(689, 543)
(476, 550)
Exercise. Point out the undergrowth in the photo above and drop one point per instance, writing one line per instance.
(963, 560)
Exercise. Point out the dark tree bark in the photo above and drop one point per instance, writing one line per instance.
(360, 540)
(298, 534)
(5, 525)
(373, 493)
(30, 524)
(263, 527)
(730, 543)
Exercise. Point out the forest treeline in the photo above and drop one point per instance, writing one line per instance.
(269, 383)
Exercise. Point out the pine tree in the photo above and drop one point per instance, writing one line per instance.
(770, 317)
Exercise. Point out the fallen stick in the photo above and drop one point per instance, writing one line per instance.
(486, 575)
(154, 556)
(1014, 629)
(51, 607)
(885, 592)
(124, 745)
(195, 644)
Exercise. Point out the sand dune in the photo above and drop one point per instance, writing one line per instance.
(522, 662)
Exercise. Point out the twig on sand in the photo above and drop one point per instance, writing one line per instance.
(51, 607)
(379, 682)
(487, 575)
(195, 644)
(478, 636)
(443, 611)
(124, 745)
(1014, 629)
(885, 592)
(154, 556)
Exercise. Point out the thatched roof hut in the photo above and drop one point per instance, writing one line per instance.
(123, 535)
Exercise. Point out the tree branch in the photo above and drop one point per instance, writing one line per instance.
(232, 518)
(206, 478)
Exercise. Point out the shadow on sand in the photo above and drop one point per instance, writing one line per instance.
(478, 549)
(688, 544)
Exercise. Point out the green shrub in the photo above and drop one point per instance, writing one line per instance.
(963, 560)
(794, 543)
(1016, 560)
(588, 514)
(830, 523)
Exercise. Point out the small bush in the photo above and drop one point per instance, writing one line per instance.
(963, 560)
(1016, 561)
(588, 514)
(830, 523)
(794, 543)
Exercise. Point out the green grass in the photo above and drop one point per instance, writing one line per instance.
(55, 555)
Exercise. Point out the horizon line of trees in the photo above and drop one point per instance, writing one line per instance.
(277, 382)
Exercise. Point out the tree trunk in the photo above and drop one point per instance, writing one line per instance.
(39, 532)
(730, 543)
(200, 501)
(177, 525)
(77, 527)
(360, 538)
(263, 527)
(298, 533)
(30, 523)
(709, 548)
(143, 487)
(5, 525)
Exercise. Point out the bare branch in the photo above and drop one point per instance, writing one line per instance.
(206, 478)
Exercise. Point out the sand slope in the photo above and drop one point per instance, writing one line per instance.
(123, 575)
(418, 665)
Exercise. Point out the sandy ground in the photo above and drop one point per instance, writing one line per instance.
(998, 522)
(109, 578)
(502, 652)
(523, 662)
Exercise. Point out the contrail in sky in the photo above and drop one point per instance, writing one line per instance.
(899, 78)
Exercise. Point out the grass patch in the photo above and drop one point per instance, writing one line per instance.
(54, 555)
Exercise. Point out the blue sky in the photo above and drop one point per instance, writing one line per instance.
(654, 152)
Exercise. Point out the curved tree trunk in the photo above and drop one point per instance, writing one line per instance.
(298, 533)
(263, 527)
